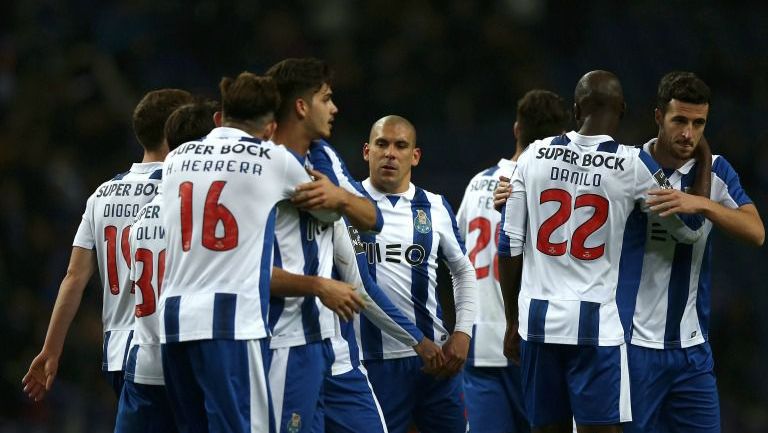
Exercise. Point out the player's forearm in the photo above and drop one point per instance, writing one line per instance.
(64, 311)
(284, 283)
(361, 212)
(702, 183)
(510, 276)
(464, 294)
(743, 223)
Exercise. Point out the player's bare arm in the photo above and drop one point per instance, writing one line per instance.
(340, 297)
(324, 194)
(42, 371)
(501, 193)
(510, 275)
(744, 222)
(702, 184)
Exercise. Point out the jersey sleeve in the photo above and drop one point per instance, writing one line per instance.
(326, 160)
(686, 229)
(726, 187)
(85, 237)
(451, 242)
(295, 174)
(350, 262)
(514, 216)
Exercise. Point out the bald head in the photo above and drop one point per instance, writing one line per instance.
(598, 103)
(393, 120)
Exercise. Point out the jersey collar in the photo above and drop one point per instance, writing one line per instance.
(145, 167)
(588, 140)
(228, 132)
(379, 195)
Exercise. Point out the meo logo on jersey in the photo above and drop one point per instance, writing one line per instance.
(395, 253)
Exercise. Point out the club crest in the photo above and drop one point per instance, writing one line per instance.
(421, 223)
(294, 424)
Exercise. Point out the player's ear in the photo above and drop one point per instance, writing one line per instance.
(659, 116)
(301, 107)
(416, 156)
(516, 131)
(269, 129)
(366, 149)
(217, 118)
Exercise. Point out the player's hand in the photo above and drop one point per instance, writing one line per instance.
(455, 351)
(501, 193)
(340, 297)
(667, 202)
(431, 355)
(512, 343)
(320, 194)
(39, 379)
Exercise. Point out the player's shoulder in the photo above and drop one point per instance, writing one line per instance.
(722, 168)
(434, 200)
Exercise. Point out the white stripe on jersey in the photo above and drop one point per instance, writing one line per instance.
(147, 269)
(219, 203)
(673, 295)
(418, 228)
(106, 222)
(479, 223)
(303, 246)
(572, 195)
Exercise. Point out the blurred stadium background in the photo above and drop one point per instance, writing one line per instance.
(71, 72)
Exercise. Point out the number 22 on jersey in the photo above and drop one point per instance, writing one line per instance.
(562, 215)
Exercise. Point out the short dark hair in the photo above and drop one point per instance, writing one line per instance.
(190, 122)
(540, 114)
(248, 97)
(683, 86)
(297, 78)
(150, 115)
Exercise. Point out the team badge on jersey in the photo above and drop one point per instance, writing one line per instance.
(294, 424)
(421, 223)
(357, 243)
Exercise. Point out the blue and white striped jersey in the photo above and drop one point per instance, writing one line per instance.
(105, 226)
(571, 198)
(144, 363)
(480, 224)
(667, 283)
(219, 203)
(419, 227)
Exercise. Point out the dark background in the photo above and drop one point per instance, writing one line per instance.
(72, 71)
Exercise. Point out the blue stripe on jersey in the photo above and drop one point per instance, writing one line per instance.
(491, 171)
(649, 162)
(310, 315)
(127, 347)
(393, 199)
(609, 146)
(105, 351)
(130, 363)
(171, 319)
(471, 354)
(157, 174)
(420, 272)
(503, 248)
(561, 140)
(120, 176)
(537, 316)
(456, 234)
(727, 174)
(703, 304)
(677, 296)
(348, 333)
(265, 271)
(224, 310)
(276, 303)
(251, 139)
(589, 323)
(693, 221)
(631, 267)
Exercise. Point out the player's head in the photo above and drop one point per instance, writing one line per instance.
(540, 114)
(249, 102)
(190, 122)
(599, 99)
(153, 110)
(305, 88)
(682, 107)
(391, 152)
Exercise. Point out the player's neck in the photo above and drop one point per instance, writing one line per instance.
(156, 155)
(664, 157)
(254, 129)
(518, 152)
(293, 137)
(599, 125)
